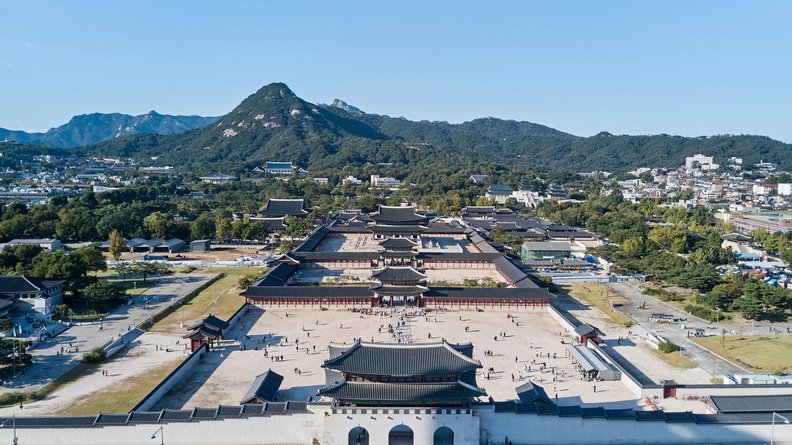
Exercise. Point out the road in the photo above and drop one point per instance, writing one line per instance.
(48, 364)
(674, 332)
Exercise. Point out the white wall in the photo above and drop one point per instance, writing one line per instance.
(482, 426)
(180, 373)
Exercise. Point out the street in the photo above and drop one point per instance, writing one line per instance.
(48, 361)
(674, 332)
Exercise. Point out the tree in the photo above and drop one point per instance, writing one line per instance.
(222, 228)
(148, 268)
(122, 269)
(257, 230)
(158, 224)
(247, 280)
(102, 291)
(203, 227)
(92, 259)
(298, 227)
(5, 324)
(118, 244)
(238, 229)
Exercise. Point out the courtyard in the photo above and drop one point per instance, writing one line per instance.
(512, 346)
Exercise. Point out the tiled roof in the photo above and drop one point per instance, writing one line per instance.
(530, 392)
(278, 165)
(264, 388)
(488, 292)
(397, 215)
(285, 207)
(173, 415)
(753, 404)
(394, 228)
(398, 273)
(387, 289)
(111, 419)
(12, 284)
(306, 291)
(229, 411)
(145, 416)
(398, 243)
(402, 360)
(402, 392)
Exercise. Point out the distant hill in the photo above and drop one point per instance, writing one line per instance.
(87, 129)
(275, 124)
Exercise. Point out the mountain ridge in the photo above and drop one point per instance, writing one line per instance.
(91, 128)
(275, 124)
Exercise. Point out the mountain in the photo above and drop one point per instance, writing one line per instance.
(274, 124)
(87, 129)
(338, 103)
(271, 124)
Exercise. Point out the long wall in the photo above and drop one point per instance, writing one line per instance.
(324, 426)
(176, 376)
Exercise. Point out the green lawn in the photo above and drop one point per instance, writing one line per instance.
(122, 396)
(220, 299)
(766, 353)
(134, 287)
(599, 296)
(676, 360)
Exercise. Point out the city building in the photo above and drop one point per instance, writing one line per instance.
(384, 182)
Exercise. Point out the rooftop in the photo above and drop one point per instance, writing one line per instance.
(398, 359)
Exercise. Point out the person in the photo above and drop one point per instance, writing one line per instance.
(595, 388)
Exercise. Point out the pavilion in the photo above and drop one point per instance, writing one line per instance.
(390, 374)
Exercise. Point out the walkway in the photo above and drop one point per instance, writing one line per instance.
(48, 365)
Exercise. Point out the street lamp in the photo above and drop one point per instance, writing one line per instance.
(772, 426)
(161, 433)
(13, 419)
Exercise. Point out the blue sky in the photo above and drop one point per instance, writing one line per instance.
(637, 67)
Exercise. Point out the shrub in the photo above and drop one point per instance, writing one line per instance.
(95, 355)
(703, 312)
(12, 398)
(668, 347)
(247, 280)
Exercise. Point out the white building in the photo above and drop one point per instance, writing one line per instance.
(352, 180)
(384, 181)
(785, 189)
(700, 162)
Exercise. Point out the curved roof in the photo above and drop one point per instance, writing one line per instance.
(395, 359)
(397, 215)
(402, 392)
(398, 273)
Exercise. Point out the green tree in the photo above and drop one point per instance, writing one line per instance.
(102, 291)
(147, 268)
(222, 228)
(257, 230)
(158, 224)
(203, 227)
(118, 244)
(92, 259)
(5, 324)
(298, 227)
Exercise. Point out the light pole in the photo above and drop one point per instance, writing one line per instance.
(772, 426)
(13, 419)
(161, 435)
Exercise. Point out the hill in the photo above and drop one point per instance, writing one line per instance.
(275, 124)
(87, 129)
